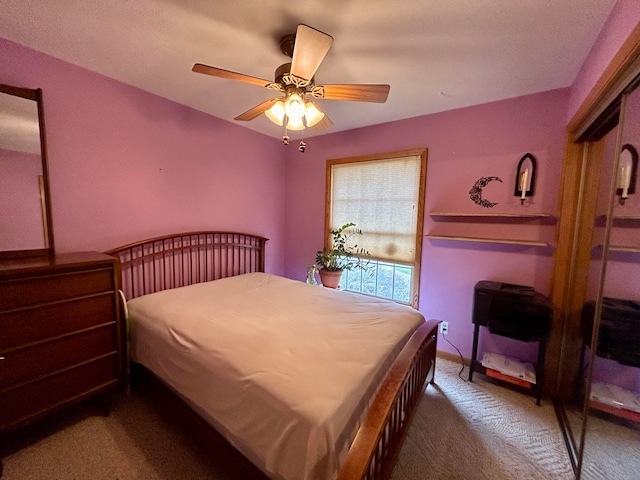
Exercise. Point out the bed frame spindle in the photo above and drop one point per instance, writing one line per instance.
(174, 261)
(376, 447)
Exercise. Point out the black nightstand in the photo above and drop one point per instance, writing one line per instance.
(513, 311)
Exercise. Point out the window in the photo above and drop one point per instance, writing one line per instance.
(384, 196)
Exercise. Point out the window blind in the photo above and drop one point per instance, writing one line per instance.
(381, 197)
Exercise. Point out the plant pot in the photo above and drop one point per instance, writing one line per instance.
(329, 278)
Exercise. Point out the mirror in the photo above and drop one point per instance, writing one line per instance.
(599, 411)
(578, 240)
(598, 157)
(611, 436)
(25, 212)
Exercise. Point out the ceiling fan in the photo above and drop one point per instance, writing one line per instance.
(295, 108)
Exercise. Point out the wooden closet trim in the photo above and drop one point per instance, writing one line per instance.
(628, 53)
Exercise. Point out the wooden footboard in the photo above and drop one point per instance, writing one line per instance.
(376, 447)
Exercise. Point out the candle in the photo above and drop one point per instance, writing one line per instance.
(621, 175)
(626, 180)
(523, 183)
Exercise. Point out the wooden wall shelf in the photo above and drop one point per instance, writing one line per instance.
(523, 216)
(620, 217)
(504, 241)
(622, 221)
(623, 248)
(491, 217)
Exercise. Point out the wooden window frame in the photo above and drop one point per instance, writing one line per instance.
(419, 152)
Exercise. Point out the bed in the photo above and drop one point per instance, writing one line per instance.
(305, 382)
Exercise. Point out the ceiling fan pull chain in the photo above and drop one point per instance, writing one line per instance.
(302, 147)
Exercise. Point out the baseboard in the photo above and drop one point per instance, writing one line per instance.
(453, 357)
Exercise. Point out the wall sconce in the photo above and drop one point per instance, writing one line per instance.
(627, 170)
(526, 177)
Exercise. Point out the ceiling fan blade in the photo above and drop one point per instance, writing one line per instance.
(257, 110)
(357, 93)
(324, 124)
(310, 47)
(219, 72)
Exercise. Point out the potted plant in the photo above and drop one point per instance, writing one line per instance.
(342, 256)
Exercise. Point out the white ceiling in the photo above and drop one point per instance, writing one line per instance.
(436, 54)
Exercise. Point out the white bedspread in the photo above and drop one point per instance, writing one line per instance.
(282, 369)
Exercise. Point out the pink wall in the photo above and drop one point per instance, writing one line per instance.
(624, 17)
(127, 165)
(463, 145)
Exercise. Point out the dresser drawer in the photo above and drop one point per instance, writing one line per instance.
(43, 358)
(49, 288)
(29, 325)
(34, 399)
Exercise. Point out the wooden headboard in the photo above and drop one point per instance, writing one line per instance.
(183, 259)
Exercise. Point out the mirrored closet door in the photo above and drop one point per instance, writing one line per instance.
(597, 283)
(598, 153)
(610, 358)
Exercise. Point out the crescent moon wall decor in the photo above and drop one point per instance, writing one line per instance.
(476, 191)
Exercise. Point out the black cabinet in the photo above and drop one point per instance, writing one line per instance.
(618, 339)
(513, 311)
(619, 334)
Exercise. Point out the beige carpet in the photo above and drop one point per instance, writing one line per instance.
(461, 431)
(481, 430)
(612, 448)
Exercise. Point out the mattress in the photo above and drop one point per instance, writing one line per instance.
(284, 370)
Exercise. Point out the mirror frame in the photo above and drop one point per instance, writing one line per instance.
(49, 249)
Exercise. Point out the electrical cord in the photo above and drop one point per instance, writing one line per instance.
(461, 358)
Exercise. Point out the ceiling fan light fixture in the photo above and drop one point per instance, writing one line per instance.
(295, 82)
(295, 123)
(312, 114)
(276, 113)
(294, 106)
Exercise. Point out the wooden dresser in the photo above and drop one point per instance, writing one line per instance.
(61, 336)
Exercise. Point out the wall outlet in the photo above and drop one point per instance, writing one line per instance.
(444, 328)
